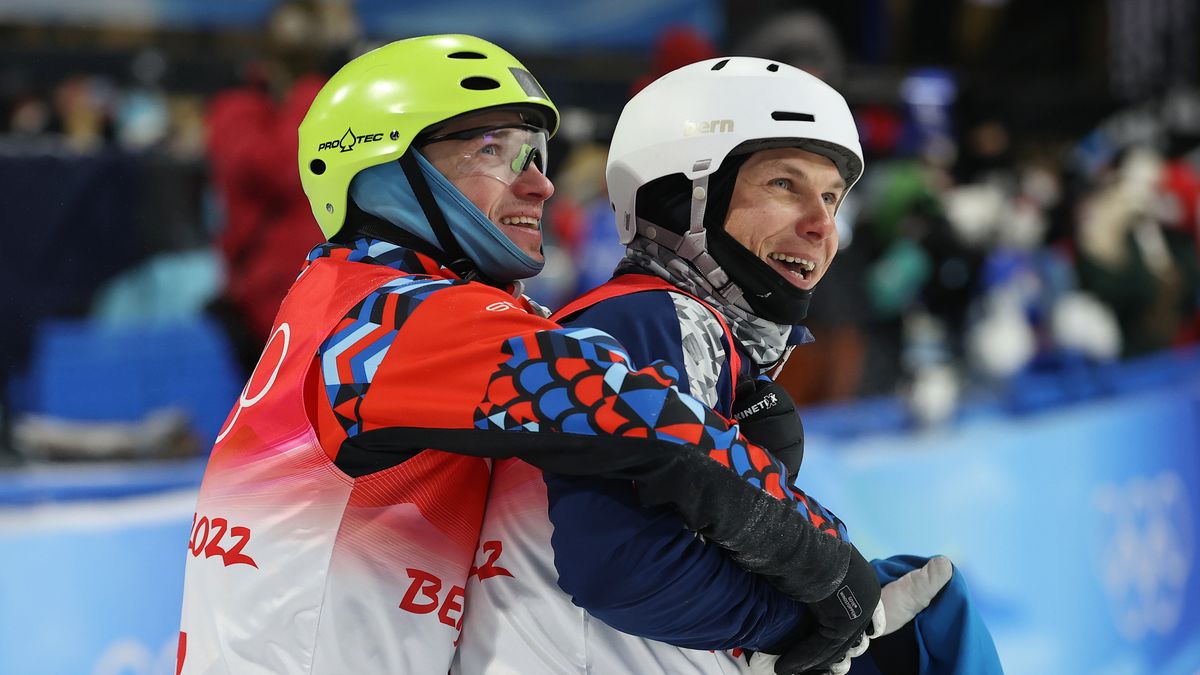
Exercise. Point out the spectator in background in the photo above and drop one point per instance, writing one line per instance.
(802, 38)
(1027, 313)
(251, 146)
(1135, 259)
(27, 115)
(676, 47)
(84, 107)
(582, 221)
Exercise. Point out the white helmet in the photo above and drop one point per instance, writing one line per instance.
(687, 124)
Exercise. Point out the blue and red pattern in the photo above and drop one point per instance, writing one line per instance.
(579, 381)
(353, 352)
(375, 252)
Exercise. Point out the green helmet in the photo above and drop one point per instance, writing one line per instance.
(371, 110)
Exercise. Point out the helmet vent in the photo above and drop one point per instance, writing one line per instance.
(785, 116)
(720, 64)
(317, 166)
(773, 67)
(480, 83)
(466, 55)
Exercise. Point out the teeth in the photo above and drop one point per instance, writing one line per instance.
(808, 265)
(519, 220)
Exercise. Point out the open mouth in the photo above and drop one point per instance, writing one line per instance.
(796, 269)
(521, 221)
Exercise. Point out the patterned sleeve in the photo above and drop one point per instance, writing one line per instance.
(466, 371)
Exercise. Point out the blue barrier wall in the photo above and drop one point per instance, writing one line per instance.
(93, 587)
(1076, 528)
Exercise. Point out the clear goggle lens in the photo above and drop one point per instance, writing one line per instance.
(501, 152)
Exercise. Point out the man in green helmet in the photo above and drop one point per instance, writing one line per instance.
(339, 517)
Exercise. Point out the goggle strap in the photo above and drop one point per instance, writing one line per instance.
(459, 263)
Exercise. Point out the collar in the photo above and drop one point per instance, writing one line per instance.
(371, 251)
(766, 342)
(801, 335)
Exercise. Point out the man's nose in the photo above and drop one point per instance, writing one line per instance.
(531, 184)
(817, 224)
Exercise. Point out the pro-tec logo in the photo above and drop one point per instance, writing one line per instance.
(348, 140)
(707, 127)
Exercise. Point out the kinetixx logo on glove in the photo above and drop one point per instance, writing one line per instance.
(769, 401)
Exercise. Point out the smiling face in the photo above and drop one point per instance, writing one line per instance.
(516, 208)
(782, 211)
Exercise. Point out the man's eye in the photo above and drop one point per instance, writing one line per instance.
(782, 183)
(490, 149)
(829, 198)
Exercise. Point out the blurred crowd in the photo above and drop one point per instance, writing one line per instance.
(970, 258)
(970, 255)
(971, 252)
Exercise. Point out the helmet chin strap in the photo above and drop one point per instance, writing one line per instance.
(458, 261)
(695, 242)
(695, 247)
(699, 204)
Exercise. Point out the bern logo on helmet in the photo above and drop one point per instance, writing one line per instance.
(348, 140)
(707, 127)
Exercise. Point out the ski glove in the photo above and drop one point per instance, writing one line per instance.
(767, 416)
(760, 663)
(841, 623)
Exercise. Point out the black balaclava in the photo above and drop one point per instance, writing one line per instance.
(666, 202)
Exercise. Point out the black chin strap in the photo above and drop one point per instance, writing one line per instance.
(459, 263)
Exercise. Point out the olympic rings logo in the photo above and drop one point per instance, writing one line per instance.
(245, 401)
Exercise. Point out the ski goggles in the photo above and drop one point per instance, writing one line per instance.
(501, 152)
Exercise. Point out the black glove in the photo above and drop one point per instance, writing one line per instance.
(767, 416)
(837, 623)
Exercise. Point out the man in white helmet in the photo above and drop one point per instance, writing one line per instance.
(598, 550)
(339, 518)
(725, 177)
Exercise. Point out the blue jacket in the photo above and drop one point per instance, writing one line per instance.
(647, 585)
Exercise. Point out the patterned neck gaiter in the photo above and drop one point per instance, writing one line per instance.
(765, 341)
